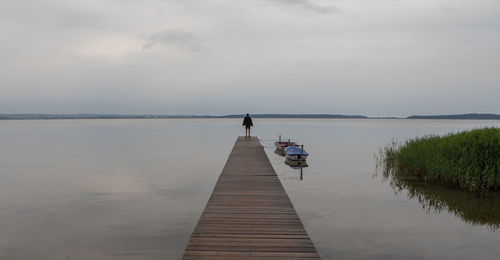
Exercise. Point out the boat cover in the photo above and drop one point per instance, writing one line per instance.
(295, 150)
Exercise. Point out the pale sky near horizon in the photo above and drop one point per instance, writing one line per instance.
(369, 57)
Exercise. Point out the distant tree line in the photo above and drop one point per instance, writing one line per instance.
(111, 116)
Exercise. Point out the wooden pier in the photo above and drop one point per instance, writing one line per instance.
(249, 215)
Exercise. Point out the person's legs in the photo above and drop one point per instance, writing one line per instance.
(247, 131)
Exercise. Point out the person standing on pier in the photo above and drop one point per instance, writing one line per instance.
(247, 122)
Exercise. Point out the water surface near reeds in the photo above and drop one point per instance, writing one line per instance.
(134, 189)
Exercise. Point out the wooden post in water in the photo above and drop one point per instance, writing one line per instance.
(302, 160)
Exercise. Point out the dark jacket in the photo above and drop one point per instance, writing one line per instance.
(247, 121)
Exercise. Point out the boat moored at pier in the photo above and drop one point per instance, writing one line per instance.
(295, 153)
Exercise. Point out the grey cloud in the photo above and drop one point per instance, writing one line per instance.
(180, 39)
(381, 59)
(308, 5)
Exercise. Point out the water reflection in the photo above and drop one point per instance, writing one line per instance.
(279, 152)
(297, 165)
(294, 164)
(470, 207)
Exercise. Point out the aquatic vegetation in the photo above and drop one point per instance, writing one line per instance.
(457, 173)
(469, 159)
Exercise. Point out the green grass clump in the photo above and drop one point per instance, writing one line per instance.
(470, 159)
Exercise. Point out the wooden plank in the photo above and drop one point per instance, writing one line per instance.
(249, 215)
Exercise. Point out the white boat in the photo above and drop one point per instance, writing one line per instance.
(282, 145)
(295, 153)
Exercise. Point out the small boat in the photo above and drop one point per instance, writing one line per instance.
(280, 146)
(295, 153)
(283, 145)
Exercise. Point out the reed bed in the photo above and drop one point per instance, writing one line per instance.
(468, 159)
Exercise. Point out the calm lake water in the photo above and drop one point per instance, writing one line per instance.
(134, 189)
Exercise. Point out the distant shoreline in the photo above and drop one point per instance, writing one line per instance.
(472, 116)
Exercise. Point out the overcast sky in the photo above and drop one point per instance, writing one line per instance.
(370, 57)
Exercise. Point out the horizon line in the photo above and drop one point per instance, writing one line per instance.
(6, 116)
